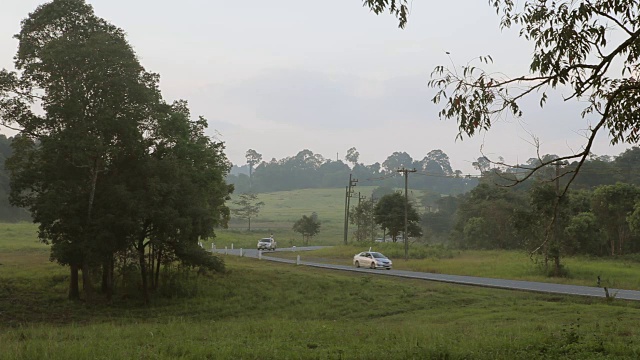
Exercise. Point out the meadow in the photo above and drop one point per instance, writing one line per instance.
(283, 208)
(263, 310)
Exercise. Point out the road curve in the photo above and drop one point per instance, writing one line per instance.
(550, 288)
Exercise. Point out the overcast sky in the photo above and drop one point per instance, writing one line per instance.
(279, 76)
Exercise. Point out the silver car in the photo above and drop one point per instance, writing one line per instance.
(372, 260)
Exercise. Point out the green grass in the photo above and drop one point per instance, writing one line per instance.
(514, 265)
(281, 211)
(264, 310)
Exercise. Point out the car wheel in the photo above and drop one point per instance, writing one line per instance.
(373, 265)
(357, 264)
(388, 268)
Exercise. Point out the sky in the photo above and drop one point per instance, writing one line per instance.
(280, 76)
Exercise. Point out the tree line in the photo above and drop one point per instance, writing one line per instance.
(309, 170)
(598, 216)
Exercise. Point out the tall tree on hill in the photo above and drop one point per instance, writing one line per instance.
(253, 158)
(397, 160)
(352, 156)
(437, 163)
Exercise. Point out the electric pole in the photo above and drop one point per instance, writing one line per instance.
(360, 198)
(373, 221)
(406, 210)
(347, 203)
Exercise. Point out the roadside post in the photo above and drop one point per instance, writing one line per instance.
(298, 260)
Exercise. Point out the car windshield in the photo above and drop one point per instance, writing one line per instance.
(377, 255)
(265, 240)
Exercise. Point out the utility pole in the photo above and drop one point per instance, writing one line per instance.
(360, 198)
(346, 215)
(373, 221)
(347, 203)
(406, 210)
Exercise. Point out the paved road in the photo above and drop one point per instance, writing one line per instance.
(455, 279)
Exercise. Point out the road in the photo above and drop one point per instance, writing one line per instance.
(591, 291)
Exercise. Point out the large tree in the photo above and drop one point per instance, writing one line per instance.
(352, 156)
(108, 166)
(389, 213)
(253, 158)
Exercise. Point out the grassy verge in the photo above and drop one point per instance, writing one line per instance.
(263, 310)
(514, 265)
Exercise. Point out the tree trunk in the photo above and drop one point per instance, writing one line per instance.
(556, 262)
(621, 238)
(249, 224)
(107, 278)
(152, 262)
(86, 279)
(157, 275)
(87, 286)
(143, 271)
(613, 246)
(74, 290)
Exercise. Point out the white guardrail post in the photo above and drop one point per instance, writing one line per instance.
(231, 246)
(259, 254)
(298, 260)
(240, 252)
(226, 251)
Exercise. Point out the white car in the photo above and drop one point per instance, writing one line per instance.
(372, 260)
(267, 244)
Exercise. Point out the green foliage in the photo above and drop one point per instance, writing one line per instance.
(498, 207)
(362, 216)
(352, 156)
(381, 191)
(389, 213)
(7, 211)
(253, 158)
(611, 204)
(307, 170)
(584, 232)
(248, 207)
(307, 226)
(109, 166)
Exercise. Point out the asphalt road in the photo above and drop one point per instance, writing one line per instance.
(591, 291)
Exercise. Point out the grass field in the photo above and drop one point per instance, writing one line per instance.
(282, 209)
(262, 310)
